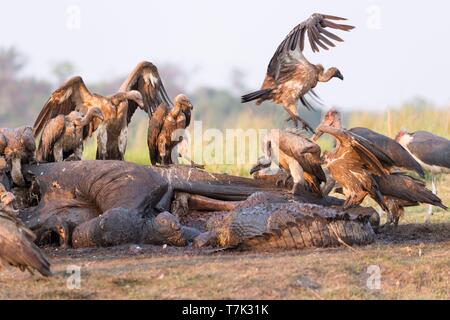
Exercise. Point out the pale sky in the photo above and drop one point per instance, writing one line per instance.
(399, 50)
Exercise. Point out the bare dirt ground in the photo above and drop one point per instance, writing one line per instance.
(414, 262)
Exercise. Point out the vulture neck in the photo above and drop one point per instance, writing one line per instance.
(87, 118)
(327, 75)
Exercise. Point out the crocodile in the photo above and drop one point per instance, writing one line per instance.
(267, 221)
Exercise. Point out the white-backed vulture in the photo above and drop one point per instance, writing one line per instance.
(17, 146)
(16, 241)
(62, 136)
(74, 96)
(164, 116)
(295, 154)
(290, 76)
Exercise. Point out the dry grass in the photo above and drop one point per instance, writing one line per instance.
(414, 266)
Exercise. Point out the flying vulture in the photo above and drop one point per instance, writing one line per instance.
(290, 76)
(295, 154)
(431, 151)
(112, 131)
(63, 135)
(164, 116)
(17, 146)
(400, 156)
(16, 241)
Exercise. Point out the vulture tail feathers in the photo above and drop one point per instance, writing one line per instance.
(264, 94)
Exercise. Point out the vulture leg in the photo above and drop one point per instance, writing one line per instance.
(102, 141)
(430, 207)
(16, 172)
(123, 142)
(292, 111)
(58, 152)
(283, 181)
(78, 153)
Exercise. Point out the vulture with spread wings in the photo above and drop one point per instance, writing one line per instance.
(165, 117)
(354, 164)
(112, 130)
(290, 76)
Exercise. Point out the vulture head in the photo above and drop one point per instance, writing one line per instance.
(403, 135)
(332, 119)
(336, 73)
(183, 102)
(265, 161)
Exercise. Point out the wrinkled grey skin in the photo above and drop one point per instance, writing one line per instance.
(101, 203)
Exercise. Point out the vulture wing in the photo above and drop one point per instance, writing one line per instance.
(370, 154)
(399, 155)
(403, 187)
(431, 149)
(17, 247)
(145, 79)
(289, 52)
(69, 97)
(155, 124)
(52, 131)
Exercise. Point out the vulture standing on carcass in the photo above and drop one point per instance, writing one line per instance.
(290, 76)
(354, 164)
(17, 146)
(295, 154)
(112, 131)
(164, 116)
(16, 241)
(400, 156)
(63, 135)
(397, 189)
(431, 151)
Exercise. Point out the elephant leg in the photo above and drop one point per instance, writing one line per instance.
(16, 172)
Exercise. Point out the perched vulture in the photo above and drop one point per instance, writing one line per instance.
(112, 131)
(17, 146)
(16, 241)
(295, 154)
(178, 118)
(164, 116)
(400, 191)
(62, 136)
(400, 156)
(355, 164)
(431, 151)
(290, 76)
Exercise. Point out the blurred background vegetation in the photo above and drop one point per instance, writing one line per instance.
(22, 97)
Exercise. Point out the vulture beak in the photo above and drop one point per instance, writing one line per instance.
(256, 168)
(191, 106)
(262, 164)
(339, 75)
